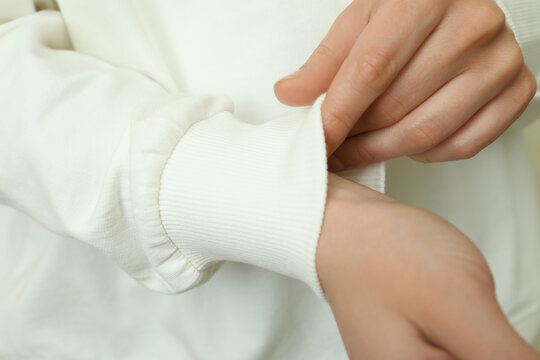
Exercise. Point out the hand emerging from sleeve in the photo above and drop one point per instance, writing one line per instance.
(436, 80)
(405, 284)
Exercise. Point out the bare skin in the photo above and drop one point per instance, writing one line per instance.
(405, 284)
(436, 80)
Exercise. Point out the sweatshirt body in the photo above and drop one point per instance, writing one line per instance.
(58, 288)
(236, 48)
(64, 300)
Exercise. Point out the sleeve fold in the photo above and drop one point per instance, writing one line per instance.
(168, 185)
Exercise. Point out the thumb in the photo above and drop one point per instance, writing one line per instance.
(314, 77)
(311, 80)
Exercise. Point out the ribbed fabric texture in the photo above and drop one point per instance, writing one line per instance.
(93, 163)
(249, 193)
(373, 176)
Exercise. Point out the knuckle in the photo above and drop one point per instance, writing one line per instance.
(336, 121)
(385, 117)
(363, 155)
(387, 112)
(488, 17)
(495, 17)
(379, 118)
(425, 135)
(324, 51)
(338, 118)
(511, 61)
(375, 70)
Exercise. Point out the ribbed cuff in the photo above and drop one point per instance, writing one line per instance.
(249, 193)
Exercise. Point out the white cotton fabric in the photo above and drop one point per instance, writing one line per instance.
(100, 146)
(150, 131)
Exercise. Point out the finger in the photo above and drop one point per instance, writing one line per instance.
(487, 124)
(473, 326)
(305, 85)
(383, 335)
(441, 57)
(430, 123)
(389, 40)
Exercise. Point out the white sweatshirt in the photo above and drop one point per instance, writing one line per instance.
(150, 131)
(116, 145)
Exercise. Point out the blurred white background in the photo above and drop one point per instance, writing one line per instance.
(532, 136)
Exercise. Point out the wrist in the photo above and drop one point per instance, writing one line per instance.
(351, 215)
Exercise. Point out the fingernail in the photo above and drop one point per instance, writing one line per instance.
(334, 164)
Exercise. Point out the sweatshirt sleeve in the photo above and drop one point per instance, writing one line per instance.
(169, 185)
(523, 17)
